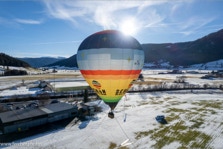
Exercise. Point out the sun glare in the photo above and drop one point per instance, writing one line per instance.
(128, 27)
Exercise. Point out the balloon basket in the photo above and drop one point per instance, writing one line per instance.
(111, 115)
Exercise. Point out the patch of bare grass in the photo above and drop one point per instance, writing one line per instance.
(177, 130)
(174, 102)
(155, 100)
(113, 145)
(210, 104)
(168, 98)
(143, 103)
(176, 110)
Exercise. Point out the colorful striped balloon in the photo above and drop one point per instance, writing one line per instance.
(110, 62)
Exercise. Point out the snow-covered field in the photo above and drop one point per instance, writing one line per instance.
(194, 120)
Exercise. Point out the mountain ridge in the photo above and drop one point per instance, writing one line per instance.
(6, 60)
(41, 61)
(206, 49)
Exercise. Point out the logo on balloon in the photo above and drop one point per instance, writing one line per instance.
(96, 84)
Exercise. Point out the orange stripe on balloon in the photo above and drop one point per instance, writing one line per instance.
(111, 77)
(110, 72)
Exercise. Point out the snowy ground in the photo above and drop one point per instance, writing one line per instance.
(194, 121)
(61, 84)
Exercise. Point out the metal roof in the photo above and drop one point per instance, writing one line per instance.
(22, 114)
(57, 107)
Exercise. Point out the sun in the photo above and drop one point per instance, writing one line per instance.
(128, 27)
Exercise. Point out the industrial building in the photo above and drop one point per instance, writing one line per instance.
(23, 119)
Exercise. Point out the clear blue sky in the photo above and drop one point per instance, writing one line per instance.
(36, 28)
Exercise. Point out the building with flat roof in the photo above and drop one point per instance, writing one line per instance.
(23, 119)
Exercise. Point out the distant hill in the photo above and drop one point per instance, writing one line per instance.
(69, 62)
(6, 60)
(206, 49)
(41, 61)
(203, 50)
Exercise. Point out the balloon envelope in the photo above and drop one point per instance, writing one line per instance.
(110, 62)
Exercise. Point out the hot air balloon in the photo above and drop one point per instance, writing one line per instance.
(110, 62)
